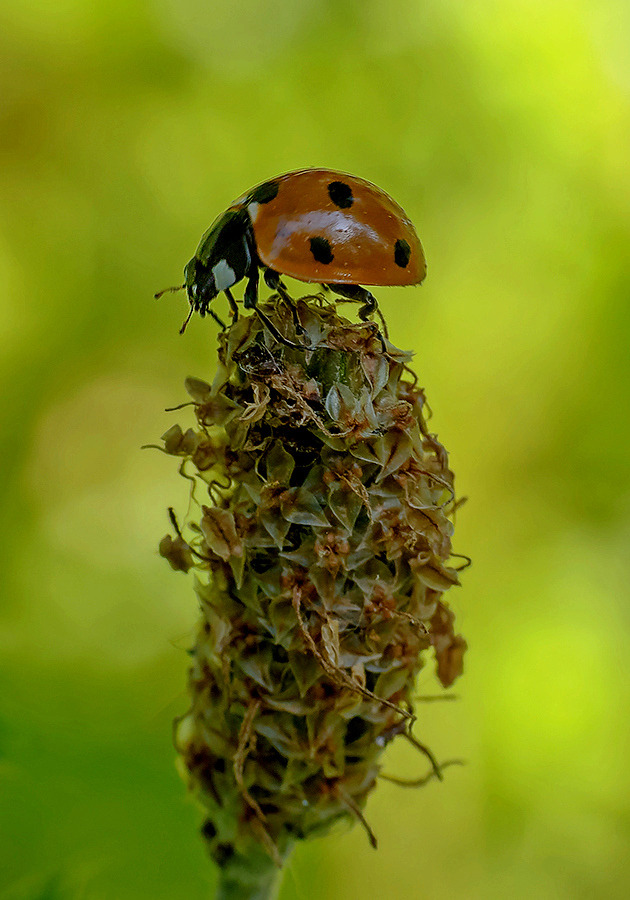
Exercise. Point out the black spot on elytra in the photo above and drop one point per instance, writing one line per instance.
(266, 192)
(341, 194)
(320, 248)
(402, 252)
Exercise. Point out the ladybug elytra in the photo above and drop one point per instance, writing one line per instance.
(315, 225)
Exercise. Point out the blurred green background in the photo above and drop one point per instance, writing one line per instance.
(502, 127)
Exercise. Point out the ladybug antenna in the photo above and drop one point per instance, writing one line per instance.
(179, 287)
(183, 328)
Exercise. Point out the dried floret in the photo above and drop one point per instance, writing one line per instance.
(322, 558)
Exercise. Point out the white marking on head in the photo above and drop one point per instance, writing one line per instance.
(224, 276)
(252, 211)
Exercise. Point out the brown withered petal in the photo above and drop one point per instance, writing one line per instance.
(219, 531)
(199, 390)
(321, 556)
(450, 660)
(179, 443)
(177, 553)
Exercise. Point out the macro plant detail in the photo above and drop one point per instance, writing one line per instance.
(320, 541)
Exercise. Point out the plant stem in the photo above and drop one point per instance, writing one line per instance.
(233, 887)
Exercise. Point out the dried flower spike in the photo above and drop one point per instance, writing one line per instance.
(321, 553)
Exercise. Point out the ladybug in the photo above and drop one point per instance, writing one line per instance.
(315, 225)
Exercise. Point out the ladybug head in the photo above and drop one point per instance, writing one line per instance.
(222, 259)
(200, 285)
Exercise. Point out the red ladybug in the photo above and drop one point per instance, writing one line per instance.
(316, 225)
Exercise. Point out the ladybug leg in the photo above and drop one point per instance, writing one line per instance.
(359, 295)
(273, 280)
(250, 297)
(275, 333)
(209, 312)
(219, 321)
(370, 306)
(250, 301)
(232, 302)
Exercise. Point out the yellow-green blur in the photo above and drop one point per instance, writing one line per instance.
(503, 129)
